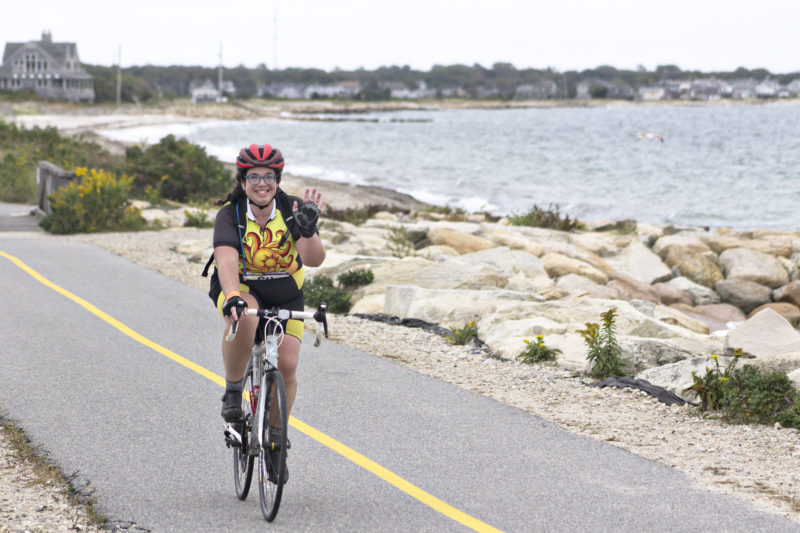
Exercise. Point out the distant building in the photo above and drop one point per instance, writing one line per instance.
(597, 88)
(51, 69)
(651, 93)
(207, 91)
(541, 90)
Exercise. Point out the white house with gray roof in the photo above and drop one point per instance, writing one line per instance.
(51, 69)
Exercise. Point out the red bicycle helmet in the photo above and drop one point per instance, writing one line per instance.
(260, 156)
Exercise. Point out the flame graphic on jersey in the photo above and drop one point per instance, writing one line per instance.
(266, 256)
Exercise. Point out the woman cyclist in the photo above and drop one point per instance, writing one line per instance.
(262, 240)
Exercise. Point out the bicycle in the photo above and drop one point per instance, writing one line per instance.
(252, 437)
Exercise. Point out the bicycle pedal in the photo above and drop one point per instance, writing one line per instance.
(232, 437)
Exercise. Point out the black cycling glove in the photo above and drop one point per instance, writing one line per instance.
(306, 217)
(230, 303)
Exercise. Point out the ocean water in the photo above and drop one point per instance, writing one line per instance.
(736, 166)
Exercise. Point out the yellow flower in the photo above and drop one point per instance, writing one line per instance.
(541, 345)
(527, 341)
(713, 356)
(723, 379)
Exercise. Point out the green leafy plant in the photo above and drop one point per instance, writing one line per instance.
(604, 353)
(752, 395)
(546, 218)
(356, 277)
(359, 215)
(321, 289)
(177, 170)
(197, 219)
(98, 202)
(710, 387)
(537, 352)
(399, 244)
(21, 150)
(462, 335)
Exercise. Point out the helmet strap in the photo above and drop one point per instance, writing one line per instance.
(261, 206)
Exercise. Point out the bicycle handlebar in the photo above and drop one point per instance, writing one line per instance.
(318, 316)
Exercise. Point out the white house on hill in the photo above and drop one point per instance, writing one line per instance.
(51, 69)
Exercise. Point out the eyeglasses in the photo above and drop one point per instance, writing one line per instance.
(255, 179)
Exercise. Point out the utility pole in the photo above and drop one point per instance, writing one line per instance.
(274, 34)
(119, 76)
(219, 97)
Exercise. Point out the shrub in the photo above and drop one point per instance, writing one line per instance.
(755, 396)
(461, 336)
(177, 170)
(359, 215)
(710, 388)
(18, 176)
(356, 277)
(22, 149)
(197, 219)
(537, 352)
(545, 218)
(604, 353)
(399, 244)
(321, 289)
(98, 203)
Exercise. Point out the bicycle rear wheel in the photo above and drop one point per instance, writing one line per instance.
(242, 460)
(270, 489)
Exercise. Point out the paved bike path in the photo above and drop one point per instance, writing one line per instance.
(145, 430)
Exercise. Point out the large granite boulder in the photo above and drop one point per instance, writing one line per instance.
(650, 353)
(445, 306)
(511, 261)
(794, 377)
(686, 240)
(514, 240)
(746, 295)
(700, 268)
(464, 243)
(669, 316)
(788, 311)
(766, 333)
(558, 265)
(784, 362)
(718, 317)
(639, 262)
(676, 377)
(701, 295)
(580, 285)
(788, 293)
(751, 265)
(670, 294)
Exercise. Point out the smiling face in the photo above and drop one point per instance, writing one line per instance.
(260, 184)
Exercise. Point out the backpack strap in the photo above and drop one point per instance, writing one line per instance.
(284, 204)
(241, 215)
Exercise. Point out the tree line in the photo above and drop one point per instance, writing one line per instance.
(149, 82)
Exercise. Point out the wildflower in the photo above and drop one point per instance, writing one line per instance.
(526, 341)
(714, 357)
(541, 345)
(723, 379)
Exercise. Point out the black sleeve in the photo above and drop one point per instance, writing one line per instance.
(226, 232)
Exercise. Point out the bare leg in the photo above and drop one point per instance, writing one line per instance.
(288, 355)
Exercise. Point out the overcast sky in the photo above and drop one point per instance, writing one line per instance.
(566, 35)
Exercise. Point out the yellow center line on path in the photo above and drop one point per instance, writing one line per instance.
(364, 462)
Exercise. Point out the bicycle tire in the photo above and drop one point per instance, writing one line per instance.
(270, 493)
(242, 460)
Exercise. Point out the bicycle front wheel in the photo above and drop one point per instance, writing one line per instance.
(242, 459)
(272, 457)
